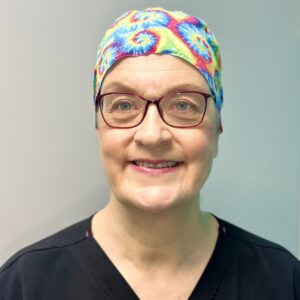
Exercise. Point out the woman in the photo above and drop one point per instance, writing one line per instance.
(158, 98)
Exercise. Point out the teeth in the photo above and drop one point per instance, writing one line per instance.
(165, 164)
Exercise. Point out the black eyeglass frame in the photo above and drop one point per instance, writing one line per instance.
(98, 102)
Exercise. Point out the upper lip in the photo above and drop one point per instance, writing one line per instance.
(154, 161)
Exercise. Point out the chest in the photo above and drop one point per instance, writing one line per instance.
(165, 287)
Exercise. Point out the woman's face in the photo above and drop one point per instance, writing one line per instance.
(131, 157)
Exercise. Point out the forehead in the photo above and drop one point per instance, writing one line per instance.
(159, 72)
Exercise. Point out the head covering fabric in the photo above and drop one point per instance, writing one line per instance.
(159, 31)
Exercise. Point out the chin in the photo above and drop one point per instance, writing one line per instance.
(155, 199)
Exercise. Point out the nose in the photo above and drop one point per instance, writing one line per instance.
(153, 131)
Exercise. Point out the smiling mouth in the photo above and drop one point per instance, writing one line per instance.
(156, 165)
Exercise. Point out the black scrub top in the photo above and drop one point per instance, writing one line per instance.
(71, 265)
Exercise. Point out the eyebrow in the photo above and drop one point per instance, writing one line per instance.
(116, 86)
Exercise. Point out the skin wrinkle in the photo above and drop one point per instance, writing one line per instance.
(132, 65)
(121, 87)
(152, 228)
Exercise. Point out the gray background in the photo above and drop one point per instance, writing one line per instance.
(50, 173)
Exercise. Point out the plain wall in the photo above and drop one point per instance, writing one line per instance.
(50, 172)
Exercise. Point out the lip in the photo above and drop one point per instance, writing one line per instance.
(152, 171)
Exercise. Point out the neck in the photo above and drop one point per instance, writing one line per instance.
(155, 239)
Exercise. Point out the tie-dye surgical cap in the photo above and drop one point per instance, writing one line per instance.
(158, 31)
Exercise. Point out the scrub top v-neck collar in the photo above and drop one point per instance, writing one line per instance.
(108, 277)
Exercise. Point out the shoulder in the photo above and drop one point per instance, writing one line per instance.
(247, 240)
(42, 254)
(260, 261)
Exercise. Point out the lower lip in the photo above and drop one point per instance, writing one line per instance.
(152, 171)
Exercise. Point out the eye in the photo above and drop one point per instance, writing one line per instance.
(124, 106)
(188, 103)
(182, 105)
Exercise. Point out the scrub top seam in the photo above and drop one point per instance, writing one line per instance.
(278, 248)
(216, 290)
(92, 275)
(40, 250)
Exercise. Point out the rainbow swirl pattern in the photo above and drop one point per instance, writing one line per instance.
(159, 31)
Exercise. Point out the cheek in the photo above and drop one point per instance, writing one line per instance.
(112, 145)
(110, 159)
(200, 157)
(201, 145)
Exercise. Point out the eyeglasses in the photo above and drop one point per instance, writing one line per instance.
(179, 109)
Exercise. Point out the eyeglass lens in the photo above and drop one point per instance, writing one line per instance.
(178, 109)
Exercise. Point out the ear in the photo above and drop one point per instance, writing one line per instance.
(218, 133)
(216, 146)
